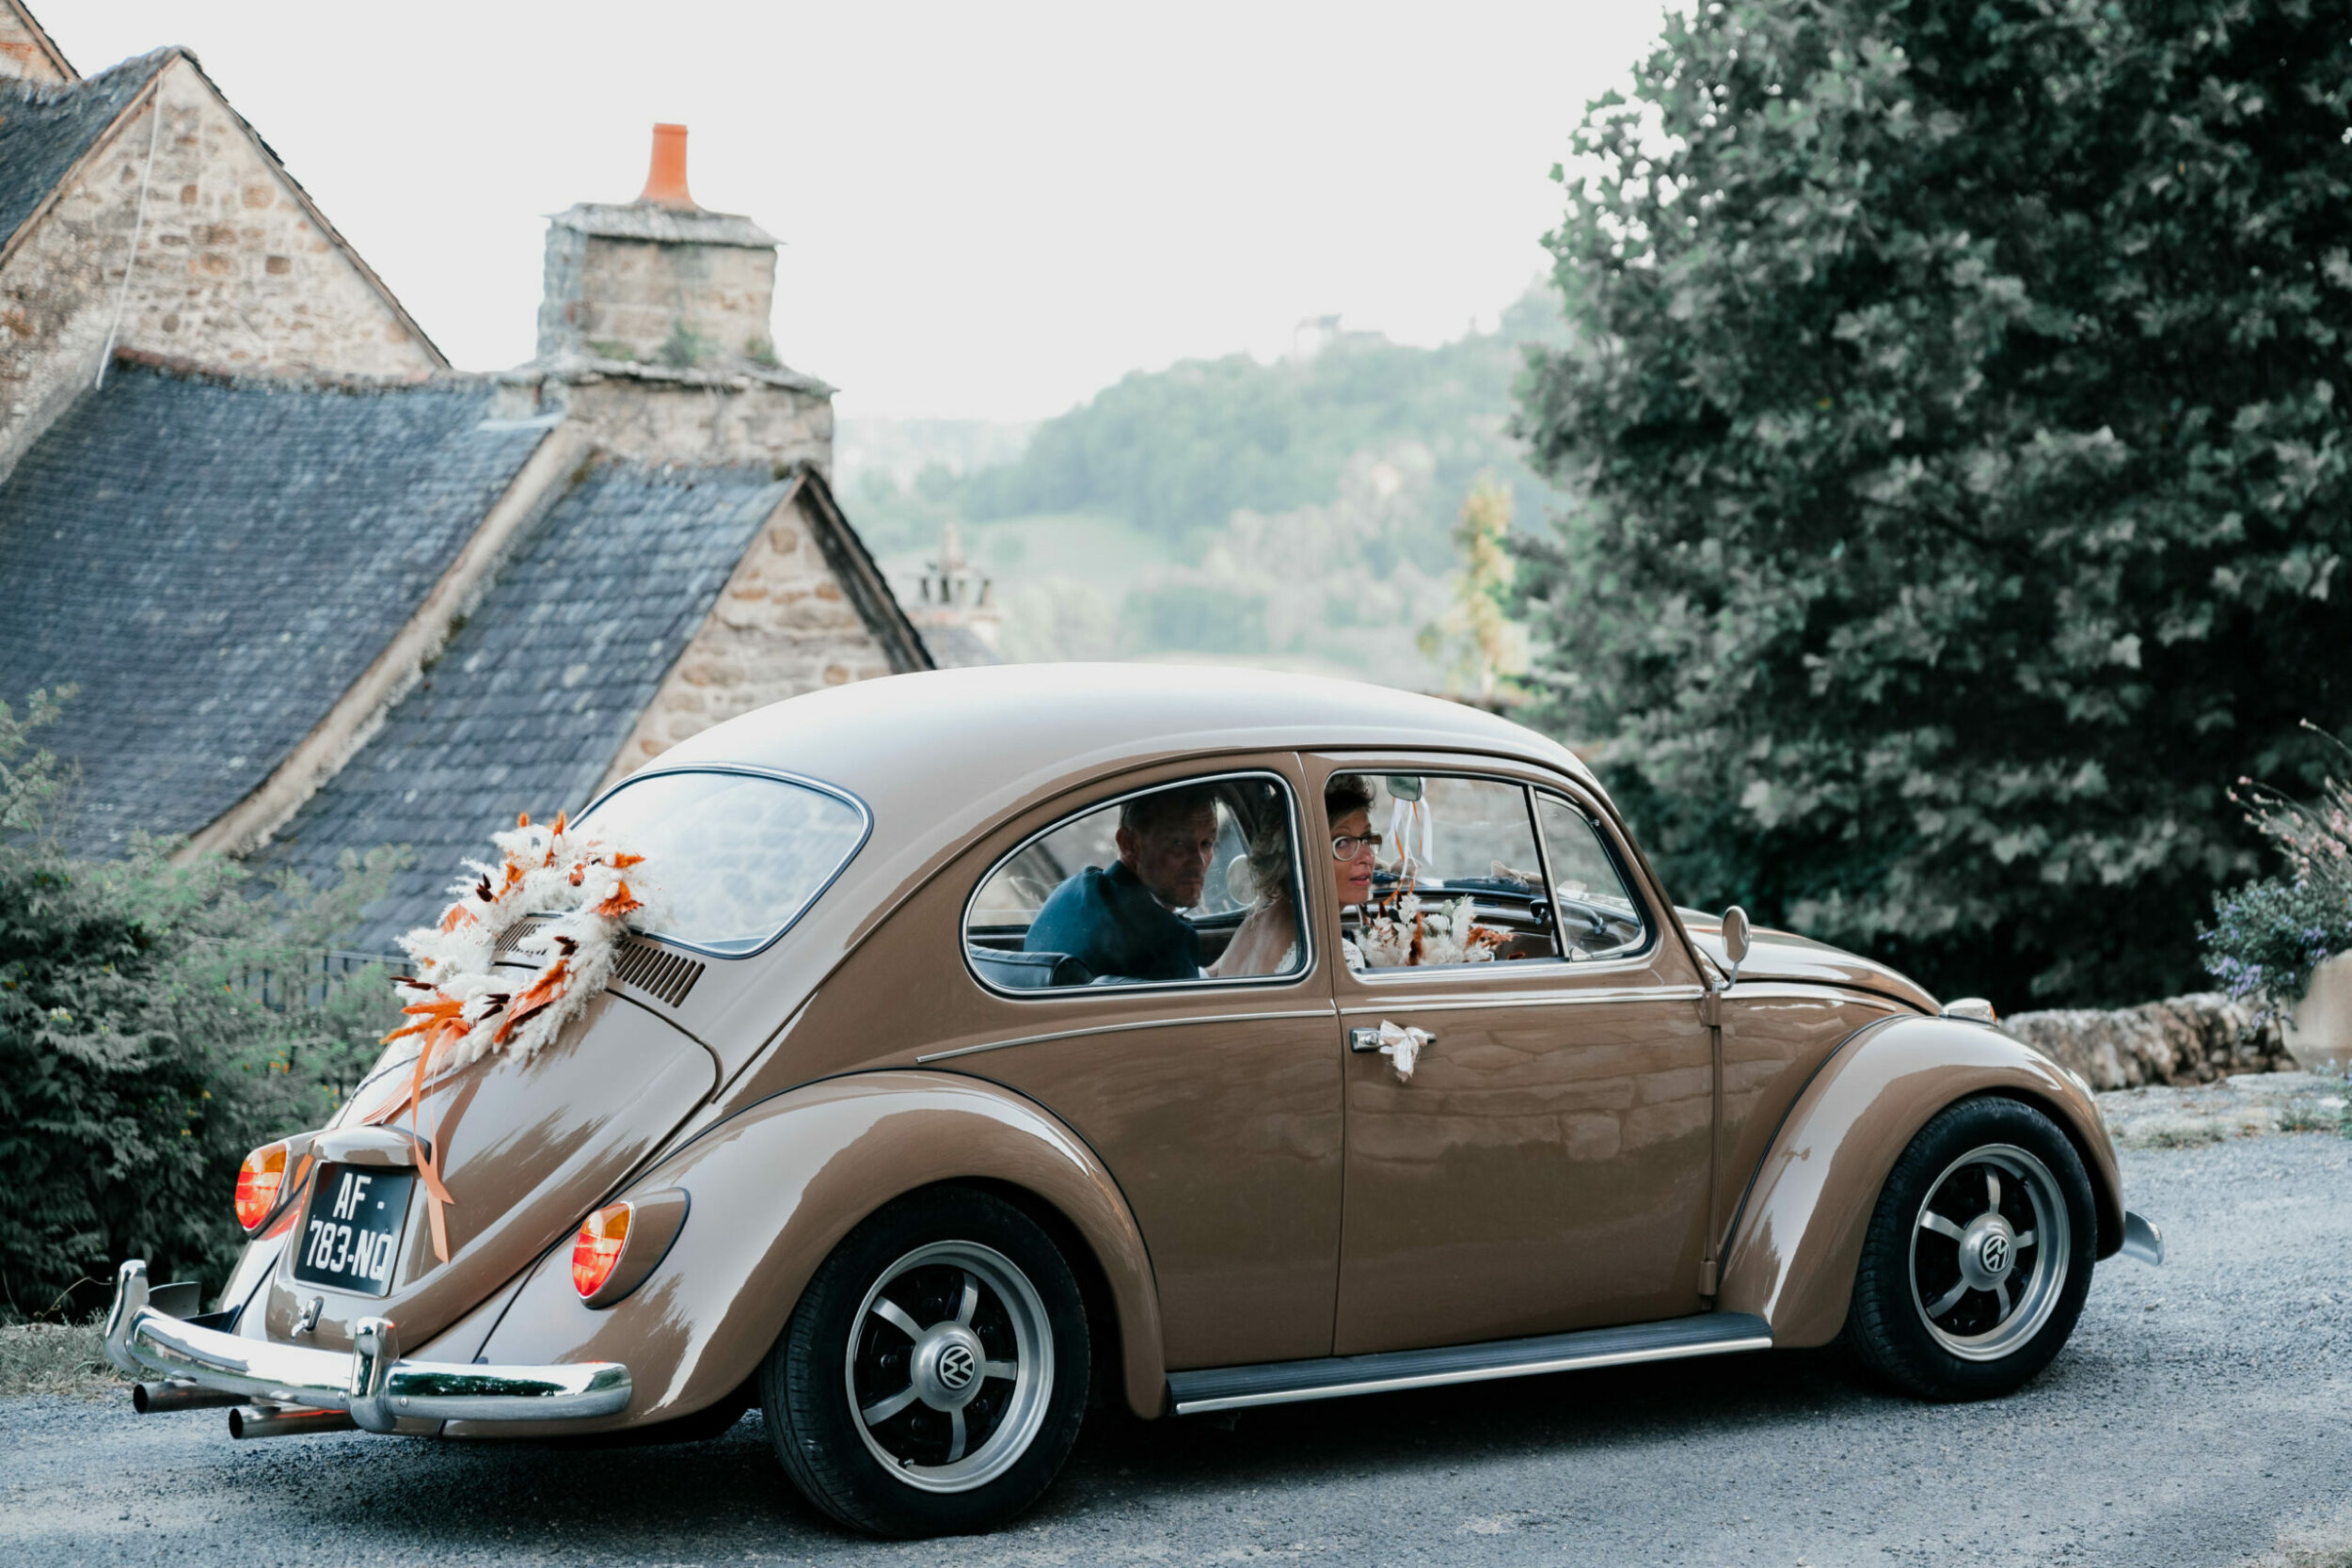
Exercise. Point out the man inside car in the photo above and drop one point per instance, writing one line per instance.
(1123, 922)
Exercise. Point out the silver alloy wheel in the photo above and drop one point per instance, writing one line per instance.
(1988, 1252)
(950, 1366)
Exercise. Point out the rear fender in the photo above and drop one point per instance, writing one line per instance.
(774, 1191)
(1797, 1240)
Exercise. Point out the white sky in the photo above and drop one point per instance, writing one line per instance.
(989, 211)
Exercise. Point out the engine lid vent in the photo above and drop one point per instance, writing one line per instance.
(655, 970)
(511, 939)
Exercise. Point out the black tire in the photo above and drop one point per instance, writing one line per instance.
(915, 1261)
(2003, 1180)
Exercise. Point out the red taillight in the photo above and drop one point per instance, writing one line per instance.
(598, 1248)
(257, 1181)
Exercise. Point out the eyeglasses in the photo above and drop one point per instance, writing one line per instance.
(1348, 846)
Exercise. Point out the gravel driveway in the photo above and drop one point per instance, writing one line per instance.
(2200, 1415)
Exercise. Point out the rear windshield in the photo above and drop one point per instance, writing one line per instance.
(732, 858)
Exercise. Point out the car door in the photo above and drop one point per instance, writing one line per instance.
(1545, 1166)
(1214, 1103)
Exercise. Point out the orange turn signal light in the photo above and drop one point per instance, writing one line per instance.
(597, 1249)
(258, 1181)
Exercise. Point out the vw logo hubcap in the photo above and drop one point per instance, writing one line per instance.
(946, 1367)
(1988, 1250)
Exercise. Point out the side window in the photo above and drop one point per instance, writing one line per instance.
(1455, 875)
(1186, 883)
(1599, 917)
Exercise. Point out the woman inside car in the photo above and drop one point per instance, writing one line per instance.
(1268, 941)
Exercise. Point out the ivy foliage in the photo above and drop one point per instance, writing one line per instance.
(139, 1057)
(1958, 423)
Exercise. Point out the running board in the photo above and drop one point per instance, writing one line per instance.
(1336, 1377)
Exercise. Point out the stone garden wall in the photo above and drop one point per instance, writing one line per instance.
(2181, 1039)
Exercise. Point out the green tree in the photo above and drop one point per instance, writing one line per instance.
(138, 1061)
(1959, 423)
(1485, 644)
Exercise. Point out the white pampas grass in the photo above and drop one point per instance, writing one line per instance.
(471, 1008)
(1405, 934)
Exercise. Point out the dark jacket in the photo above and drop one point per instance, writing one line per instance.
(1109, 922)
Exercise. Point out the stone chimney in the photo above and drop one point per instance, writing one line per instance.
(659, 280)
(659, 296)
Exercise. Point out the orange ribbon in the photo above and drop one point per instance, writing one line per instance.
(440, 1020)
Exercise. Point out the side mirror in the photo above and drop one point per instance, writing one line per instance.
(1735, 942)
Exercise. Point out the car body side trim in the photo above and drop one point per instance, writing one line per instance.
(1122, 1029)
(1529, 999)
(1387, 1371)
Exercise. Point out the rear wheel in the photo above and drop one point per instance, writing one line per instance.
(933, 1379)
(1978, 1255)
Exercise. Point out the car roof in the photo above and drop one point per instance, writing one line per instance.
(940, 757)
(1008, 733)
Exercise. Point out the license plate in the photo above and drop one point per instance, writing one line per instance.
(351, 1236)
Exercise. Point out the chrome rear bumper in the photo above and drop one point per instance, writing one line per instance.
(2141, 1239)
(371, 1382)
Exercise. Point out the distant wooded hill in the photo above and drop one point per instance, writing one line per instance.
(1301, 509)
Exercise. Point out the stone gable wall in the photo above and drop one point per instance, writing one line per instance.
(23, 53)
(232, 271)
(781, 626)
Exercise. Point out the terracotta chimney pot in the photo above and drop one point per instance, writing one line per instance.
(665, 181)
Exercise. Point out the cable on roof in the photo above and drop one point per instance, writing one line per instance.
(138, 226)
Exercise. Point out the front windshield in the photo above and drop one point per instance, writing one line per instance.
(732, 858)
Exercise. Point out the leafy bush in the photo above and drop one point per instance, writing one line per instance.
(2269, 936)
(1965, 441)
(136, 1065)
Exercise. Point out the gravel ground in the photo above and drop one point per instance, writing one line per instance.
(2245, 1104)
(2200, 1415)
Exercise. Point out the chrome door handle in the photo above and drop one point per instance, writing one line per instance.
(1403, 1047)
(1368, 1041)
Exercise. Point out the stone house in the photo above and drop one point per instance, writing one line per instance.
(317, 591)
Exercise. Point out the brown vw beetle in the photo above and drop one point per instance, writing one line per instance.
(1215, 1040)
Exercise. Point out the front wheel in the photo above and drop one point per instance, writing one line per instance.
(1978, 1255)
(934, 1376)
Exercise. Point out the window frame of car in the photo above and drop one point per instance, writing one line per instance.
(1528, 781)
(865, 837)
(1651, 931)
(1309, 958)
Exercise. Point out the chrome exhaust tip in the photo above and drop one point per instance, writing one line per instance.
(154, 1399)
(275, 1420)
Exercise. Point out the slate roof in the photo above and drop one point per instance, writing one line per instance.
(214, 562)
(46, 127)
(535, 694)
(958, 647)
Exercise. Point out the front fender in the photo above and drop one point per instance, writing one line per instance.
(773, 1190)
(1797, 1240)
